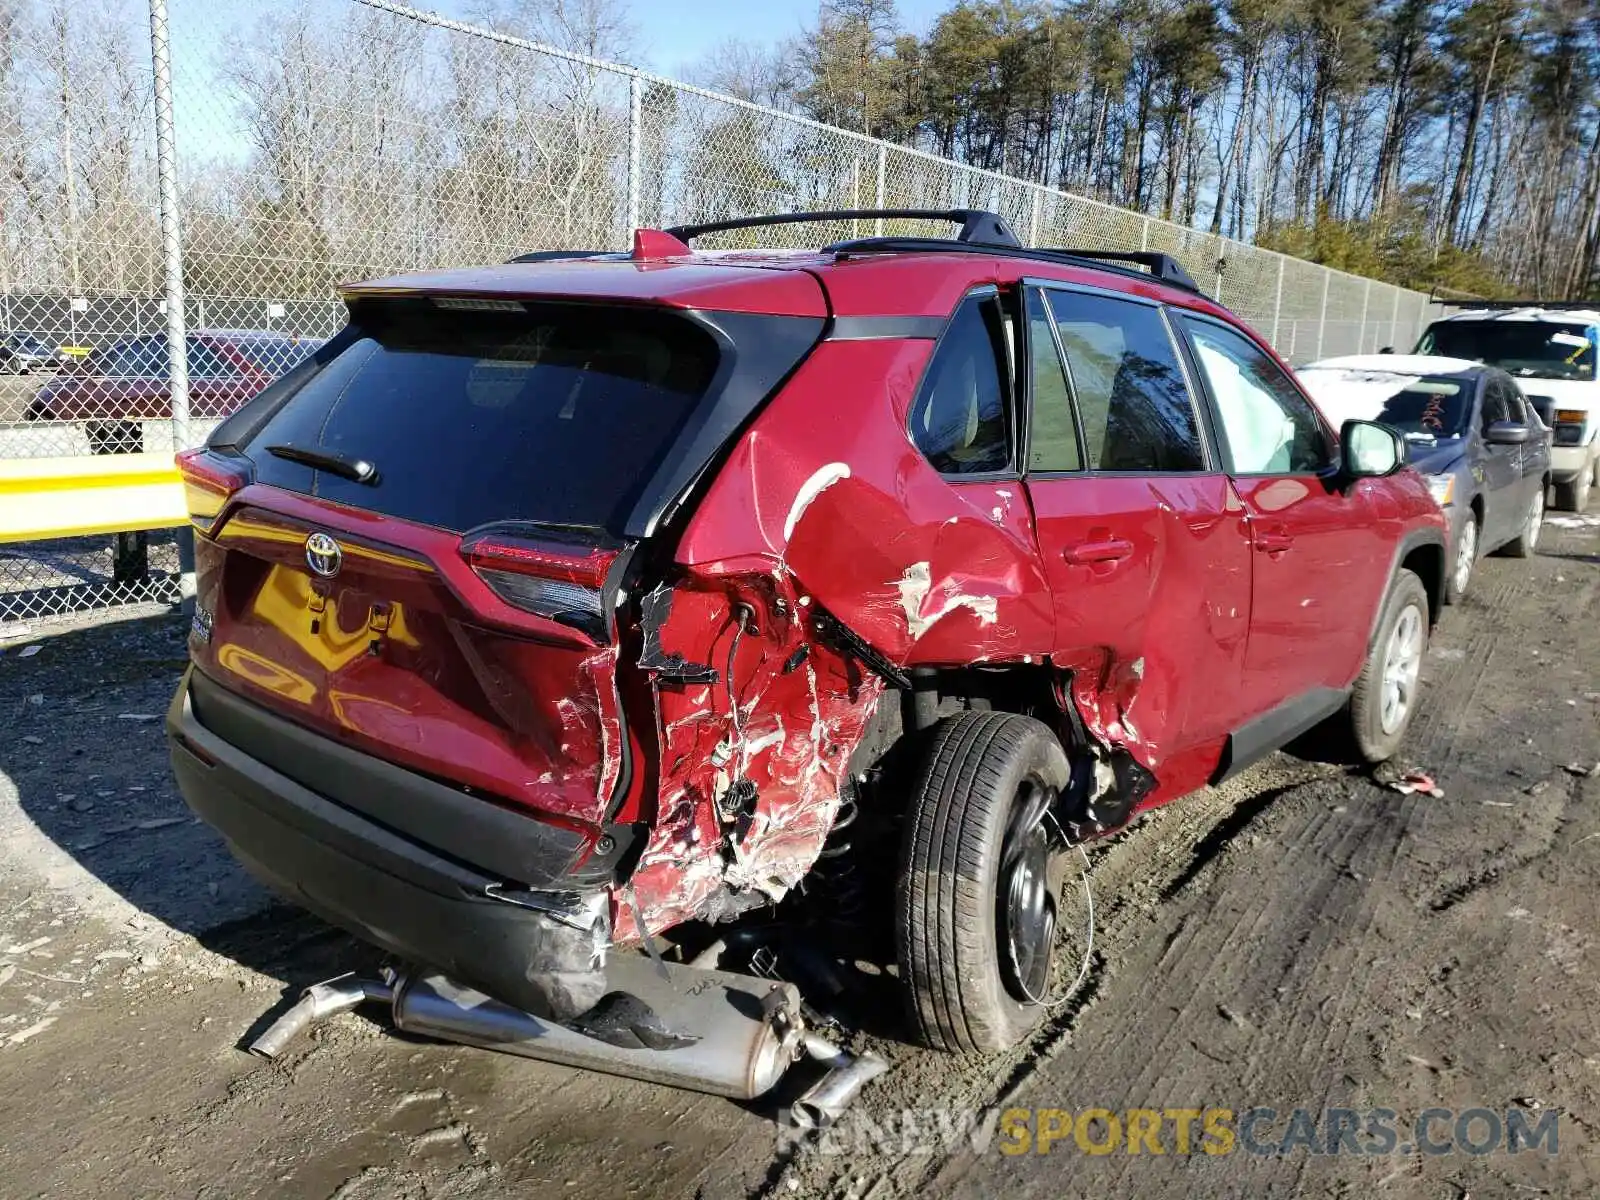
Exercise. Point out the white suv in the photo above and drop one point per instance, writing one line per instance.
(1551, 351)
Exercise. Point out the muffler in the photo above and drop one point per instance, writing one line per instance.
(735, 1035)
(743, 1033)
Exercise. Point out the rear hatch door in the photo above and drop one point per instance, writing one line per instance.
(414, 543)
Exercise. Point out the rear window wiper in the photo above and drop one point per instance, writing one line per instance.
(349, 467)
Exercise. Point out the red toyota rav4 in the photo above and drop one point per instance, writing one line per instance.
(555, 604)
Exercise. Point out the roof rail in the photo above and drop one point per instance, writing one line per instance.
(1163, 266)
(1170, 273)
(978, 227)
(1510, 304)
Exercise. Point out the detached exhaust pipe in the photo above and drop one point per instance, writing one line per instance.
(824, 1101)
(317, 1003)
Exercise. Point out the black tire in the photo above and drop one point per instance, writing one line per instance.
(1458, 577)
(1375, 738)
(948, 928)
(1526, 543)
(114, 437)
(1574, 496)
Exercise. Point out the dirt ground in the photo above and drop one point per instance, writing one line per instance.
(1304, 938)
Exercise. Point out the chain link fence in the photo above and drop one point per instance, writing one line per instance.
(330, 140)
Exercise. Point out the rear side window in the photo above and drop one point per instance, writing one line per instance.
(1053, 431)
(541, 412)
(960, 419)
(1133, 400)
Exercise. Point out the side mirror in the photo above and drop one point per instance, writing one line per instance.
(1506, 433)
(1370, 450)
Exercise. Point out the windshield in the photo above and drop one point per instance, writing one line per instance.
(1429, 409)
(1529, 349)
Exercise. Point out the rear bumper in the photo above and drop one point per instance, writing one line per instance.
(386, 889)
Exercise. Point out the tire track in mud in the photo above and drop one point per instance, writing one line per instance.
(1137, 867)
(1258, 959)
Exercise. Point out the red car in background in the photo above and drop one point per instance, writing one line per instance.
(129, 381)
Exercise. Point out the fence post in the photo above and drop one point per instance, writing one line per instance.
(1322, 321)
(1144, 236)
(635, 151)
(1035, 216)
(1277, 304)
(172, 260)
(883, 179)
(1394, 319)
(1366, 301)
(171, 232)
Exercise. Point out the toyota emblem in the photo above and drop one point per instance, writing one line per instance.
(323, 555)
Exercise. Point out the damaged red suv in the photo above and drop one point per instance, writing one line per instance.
(554, 605)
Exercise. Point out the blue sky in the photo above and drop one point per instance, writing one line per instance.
(675, 32)
(671, 35)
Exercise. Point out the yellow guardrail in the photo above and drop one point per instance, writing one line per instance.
(71, 497)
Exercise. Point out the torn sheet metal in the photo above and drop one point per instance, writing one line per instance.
(749, 764)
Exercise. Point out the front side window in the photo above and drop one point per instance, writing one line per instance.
(144, 359)
(204, 362)
(1267, 425)
(1495, 406)
(1133, 401)
(960, 418)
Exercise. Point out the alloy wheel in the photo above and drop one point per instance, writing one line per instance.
(1402, 665)
(1466, 554)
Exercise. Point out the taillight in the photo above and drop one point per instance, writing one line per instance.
(563, 582)
(208, 480)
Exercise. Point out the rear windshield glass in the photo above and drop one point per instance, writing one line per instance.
(1528, 349)
(473, 413)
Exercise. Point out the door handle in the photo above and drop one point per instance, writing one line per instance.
(1273, 541)
(1105, 550)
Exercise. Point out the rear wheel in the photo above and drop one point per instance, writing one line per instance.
(1527, 539)
(114, 437)
(1466, 558)
(975, 913)
(1384, 698)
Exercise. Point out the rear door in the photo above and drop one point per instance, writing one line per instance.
(1498, 468)
(1319, 561)
(1142, 538)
